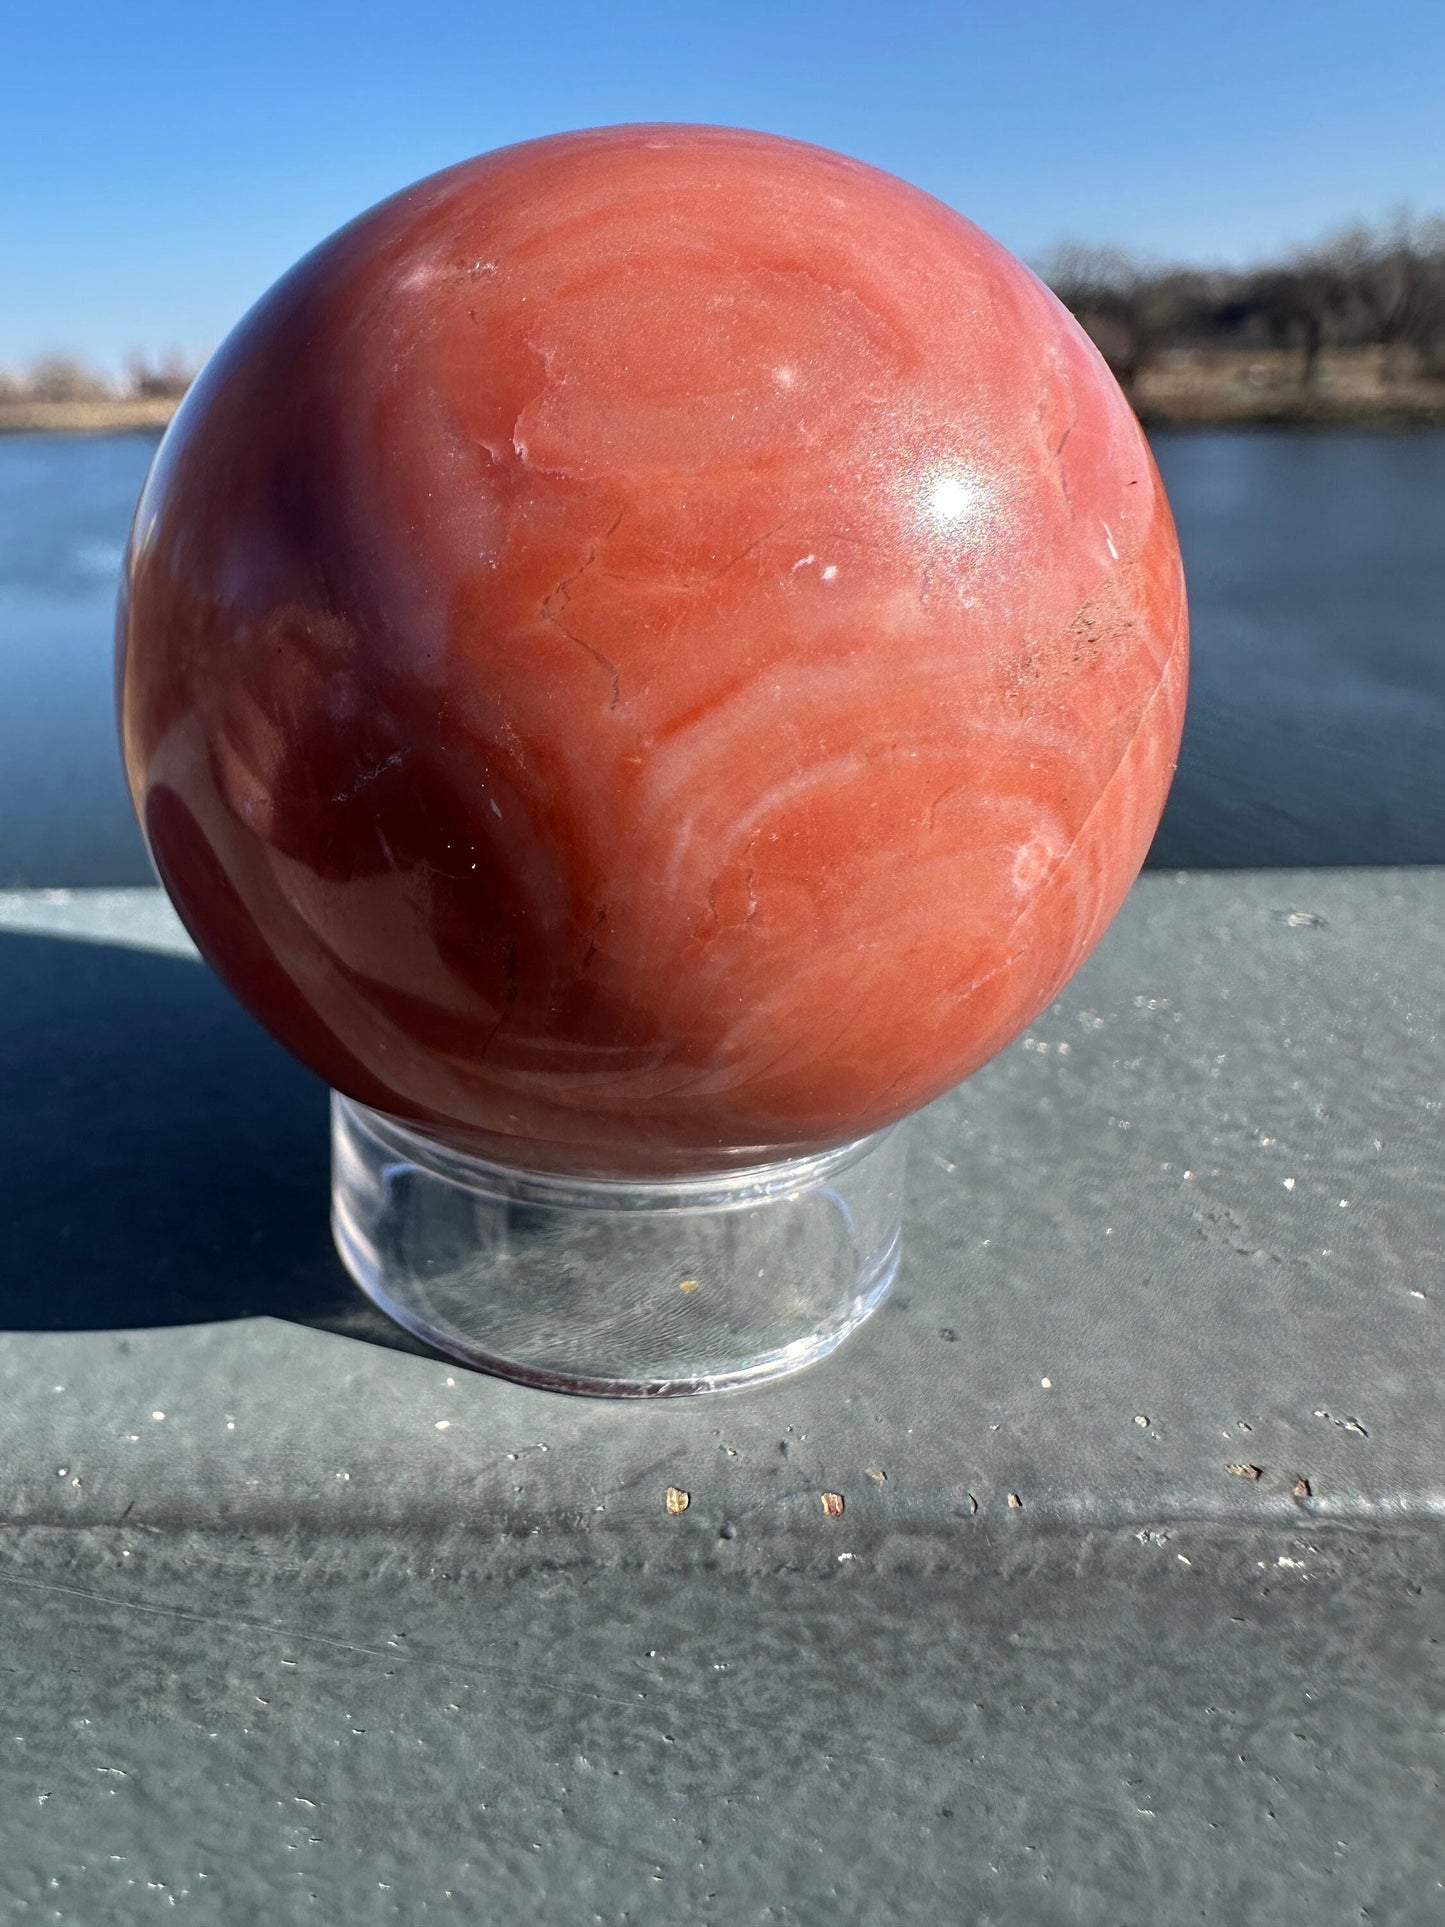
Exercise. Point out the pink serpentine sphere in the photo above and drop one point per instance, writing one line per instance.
(651, 651)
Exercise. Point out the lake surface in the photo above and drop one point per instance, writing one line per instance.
(1316, 730)
(1316, 726)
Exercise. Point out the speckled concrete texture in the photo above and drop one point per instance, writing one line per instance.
(984, 1725)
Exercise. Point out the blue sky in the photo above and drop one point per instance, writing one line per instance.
(161, 164)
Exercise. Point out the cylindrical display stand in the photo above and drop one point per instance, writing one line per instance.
(621, 1289)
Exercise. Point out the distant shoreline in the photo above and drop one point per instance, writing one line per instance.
(120, 417)
(1228, 389)
(1288, 412)
(1182, 389)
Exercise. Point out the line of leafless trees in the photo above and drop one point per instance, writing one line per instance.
(65, 378)
(1379, 287)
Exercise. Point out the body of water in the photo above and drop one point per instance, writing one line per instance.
(1316, 730)
(65, 509)
(1316, 727)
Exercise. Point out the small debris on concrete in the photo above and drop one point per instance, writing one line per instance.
(1047, 1383)
(877, 1474)
(833, 1504)
(1345, 1424)
(688, 1284)
(1141, 1420)
(1301, 1489)
(677, 1499)
(947, 1334)
(1015, 1503)
(1242, 1471)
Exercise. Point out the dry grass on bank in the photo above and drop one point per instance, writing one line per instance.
(110, 416)
(1350, 388)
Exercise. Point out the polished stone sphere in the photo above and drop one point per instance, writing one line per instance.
(654, 650)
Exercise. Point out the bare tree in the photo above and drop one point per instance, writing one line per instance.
(62, 378)
(169, 377)
(1395, 278)
(1101, 286)
(1298, 302)
(1132, 312)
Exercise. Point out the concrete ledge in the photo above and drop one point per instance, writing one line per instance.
(1176, 1254)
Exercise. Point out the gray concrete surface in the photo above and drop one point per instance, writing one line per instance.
(303, 1623)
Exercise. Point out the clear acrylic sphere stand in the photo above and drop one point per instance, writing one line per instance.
(639, 1290)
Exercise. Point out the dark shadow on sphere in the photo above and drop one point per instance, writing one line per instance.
(166, 1163)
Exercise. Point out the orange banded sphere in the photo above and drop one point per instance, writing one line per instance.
(651, 651)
